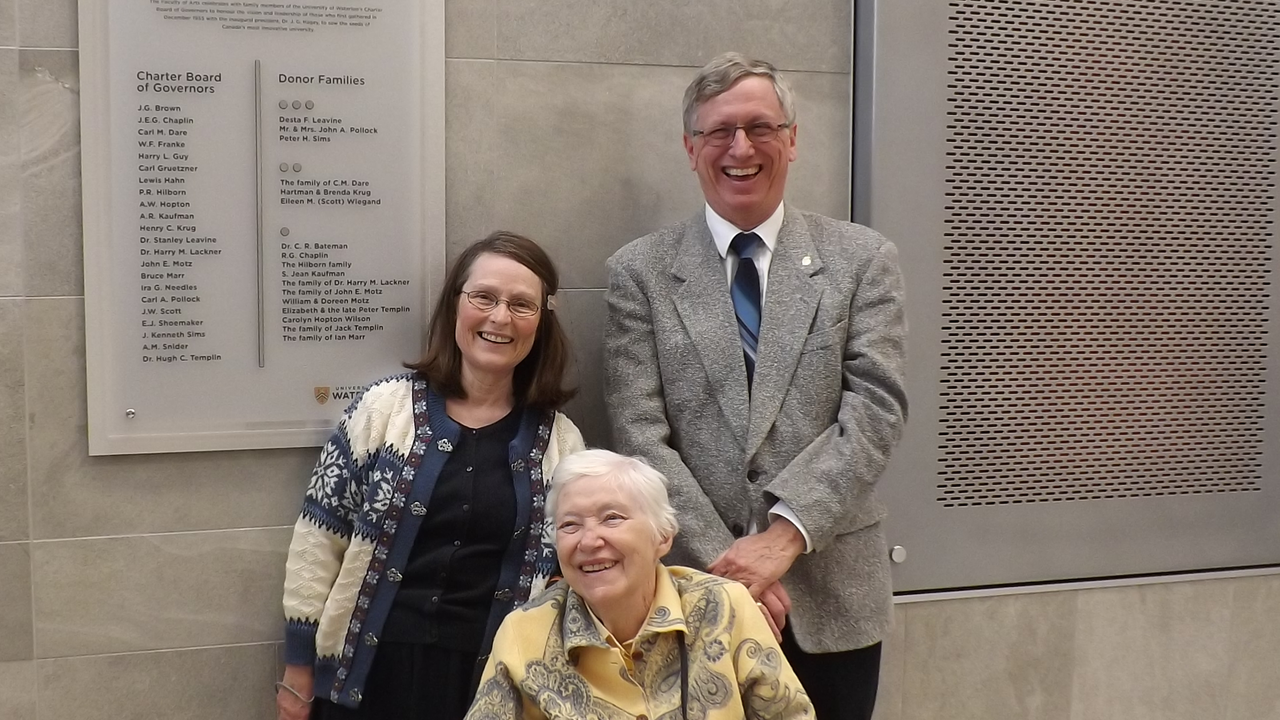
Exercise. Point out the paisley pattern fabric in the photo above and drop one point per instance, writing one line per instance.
(552, 658)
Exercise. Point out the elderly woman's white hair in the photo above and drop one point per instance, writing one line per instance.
(646, 485)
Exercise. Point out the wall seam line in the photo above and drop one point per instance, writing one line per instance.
(163, 533)
(606, 63)
(256, 643)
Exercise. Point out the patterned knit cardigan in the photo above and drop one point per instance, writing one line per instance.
(367, 496)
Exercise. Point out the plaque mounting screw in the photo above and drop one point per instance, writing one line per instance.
(898, 554)
(131, 413)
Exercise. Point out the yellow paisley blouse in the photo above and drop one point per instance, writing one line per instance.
(553, 659)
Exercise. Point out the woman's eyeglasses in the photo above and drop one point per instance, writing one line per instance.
(486, 301)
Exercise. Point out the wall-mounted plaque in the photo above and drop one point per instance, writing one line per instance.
(264, 213)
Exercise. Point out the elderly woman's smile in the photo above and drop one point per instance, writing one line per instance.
(609, 551)
(625, 635)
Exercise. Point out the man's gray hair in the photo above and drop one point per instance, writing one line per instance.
(721, 73)
(647, 486)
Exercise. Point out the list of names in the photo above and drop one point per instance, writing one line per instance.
(175, 255)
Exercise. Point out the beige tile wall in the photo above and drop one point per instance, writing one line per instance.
(46, 23)
(1026, 644)
(231, 682)
(1253, 680)
(10, 166)
(16, 638)
(8, 23)
(1153, 652)
(14, 510)
(18, 690)
(49, 197)
(220, 588)
(147, 586)
(1167, 651)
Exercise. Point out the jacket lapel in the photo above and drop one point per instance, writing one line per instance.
(706, 311)
(791, 300)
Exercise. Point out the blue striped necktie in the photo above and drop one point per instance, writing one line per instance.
(746, 298)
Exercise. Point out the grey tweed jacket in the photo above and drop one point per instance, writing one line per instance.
(825, 409)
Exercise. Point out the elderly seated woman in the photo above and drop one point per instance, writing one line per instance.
(626, 636)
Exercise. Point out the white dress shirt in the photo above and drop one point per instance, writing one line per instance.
(723, 232)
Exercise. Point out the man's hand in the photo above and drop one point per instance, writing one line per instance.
(759, 560)
(775, 604)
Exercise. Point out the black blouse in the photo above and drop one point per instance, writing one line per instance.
(453, 568)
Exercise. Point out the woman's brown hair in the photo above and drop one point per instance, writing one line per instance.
(539, 379)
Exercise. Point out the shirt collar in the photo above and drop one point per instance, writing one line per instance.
(581, 627)
(723, 231)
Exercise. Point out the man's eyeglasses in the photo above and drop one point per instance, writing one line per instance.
(486, 301)
(761, 132)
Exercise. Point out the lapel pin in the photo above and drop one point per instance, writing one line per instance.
(805, 261)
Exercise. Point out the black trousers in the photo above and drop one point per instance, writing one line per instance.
(841, 685)
(410, 682)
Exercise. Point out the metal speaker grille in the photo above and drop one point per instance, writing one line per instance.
(1111, 178)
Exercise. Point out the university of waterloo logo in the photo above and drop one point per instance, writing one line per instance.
(324, 393)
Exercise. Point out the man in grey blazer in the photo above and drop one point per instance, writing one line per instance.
(754, 354)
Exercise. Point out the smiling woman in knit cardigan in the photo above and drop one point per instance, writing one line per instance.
(423, 523)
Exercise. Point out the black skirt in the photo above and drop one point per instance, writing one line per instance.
(409, 681)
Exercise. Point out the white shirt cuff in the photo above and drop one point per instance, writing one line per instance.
(782, 509)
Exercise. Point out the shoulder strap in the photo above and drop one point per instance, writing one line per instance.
(684, 679)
